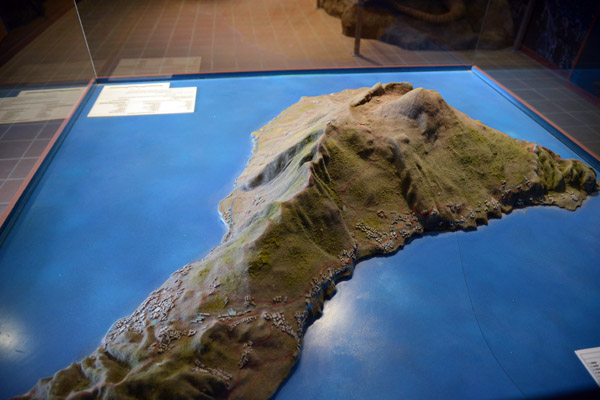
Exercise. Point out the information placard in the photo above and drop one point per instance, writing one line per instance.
(591, 359)
(143, 99)
(39, 105)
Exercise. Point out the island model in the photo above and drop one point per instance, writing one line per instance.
(333, 179)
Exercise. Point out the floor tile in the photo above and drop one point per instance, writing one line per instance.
(23, 168)
(6, 167)
(37, 148)
(14, 149)
(564, 119)
(514, 84)
(571, 105)
(49, 130)
(9, 189)
(528, 94)
(555, 93)
(593, 147)
(582, 133)
(23, 131)
(3, 129)
(544, 106)
(586, 117)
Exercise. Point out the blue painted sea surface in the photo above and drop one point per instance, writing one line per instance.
(128, 200)
(495, 313)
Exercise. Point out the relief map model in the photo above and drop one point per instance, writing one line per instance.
(332, 180)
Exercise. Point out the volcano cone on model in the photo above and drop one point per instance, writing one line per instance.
(332, 179)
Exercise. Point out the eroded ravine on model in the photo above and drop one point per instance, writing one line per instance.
(332, 180)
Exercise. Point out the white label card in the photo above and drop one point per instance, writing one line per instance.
(39, 105)
(591, 359)
(144, 99)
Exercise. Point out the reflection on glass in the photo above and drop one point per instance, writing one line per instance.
(44, 68)
(43, 44)
(551, 66)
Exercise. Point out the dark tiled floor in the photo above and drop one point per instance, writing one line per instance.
(546, 91)
(20, 147)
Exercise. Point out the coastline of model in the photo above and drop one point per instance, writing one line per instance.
(333, 179)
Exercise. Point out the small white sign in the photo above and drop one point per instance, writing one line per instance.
(591, 359)
(143, 99)
(39, 105)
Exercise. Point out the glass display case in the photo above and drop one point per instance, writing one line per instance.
(127, 128)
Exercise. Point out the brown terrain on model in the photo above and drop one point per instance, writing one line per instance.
(333, 179)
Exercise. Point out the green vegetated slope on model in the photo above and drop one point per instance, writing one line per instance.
(332, 179)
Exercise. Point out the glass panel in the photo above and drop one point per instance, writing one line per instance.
(45, 48)
(44, 68)
(143, 37)
(415, 32)
(553, 64)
